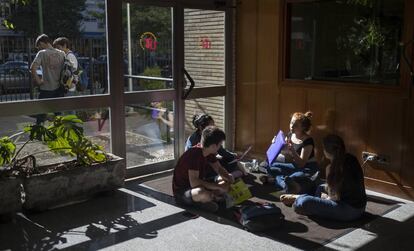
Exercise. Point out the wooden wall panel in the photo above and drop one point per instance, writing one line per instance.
(292, 99)
(376, 120)
(407, 172)
(266, 107)
(322, 104)
(390, 188)
(384, 136)
(246, 73)
(351, 120)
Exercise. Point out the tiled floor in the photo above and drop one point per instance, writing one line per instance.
(139, 218)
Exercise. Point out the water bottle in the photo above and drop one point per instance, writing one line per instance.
(254, 167)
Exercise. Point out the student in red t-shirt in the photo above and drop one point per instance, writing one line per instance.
(190, 181)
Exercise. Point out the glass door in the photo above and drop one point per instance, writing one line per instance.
(150, 98)
(174, 68)
(205, 62)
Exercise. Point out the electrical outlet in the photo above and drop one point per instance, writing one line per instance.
(367, 156)
(377, 158)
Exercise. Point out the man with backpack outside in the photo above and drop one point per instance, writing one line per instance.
(192, 183)
(70, 76)
(51, 60)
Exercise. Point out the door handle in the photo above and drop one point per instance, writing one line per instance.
(186, 92)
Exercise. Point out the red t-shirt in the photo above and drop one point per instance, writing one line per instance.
(192, 159)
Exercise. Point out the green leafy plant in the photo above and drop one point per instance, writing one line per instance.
(63, 136)
(7, 150)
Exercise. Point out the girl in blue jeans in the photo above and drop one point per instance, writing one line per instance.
(343, 196)
(300, 162)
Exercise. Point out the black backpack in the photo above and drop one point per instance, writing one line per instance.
(260, 217)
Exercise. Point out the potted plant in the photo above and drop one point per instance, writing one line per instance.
(91, 170)
(10, 183)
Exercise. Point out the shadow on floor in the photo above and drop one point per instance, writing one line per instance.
(111, 219)
(299, 231)
(101, 222)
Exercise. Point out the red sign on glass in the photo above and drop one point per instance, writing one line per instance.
(205, 43)
(148, 41)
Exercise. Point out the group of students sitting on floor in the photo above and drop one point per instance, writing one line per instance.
(203, 174)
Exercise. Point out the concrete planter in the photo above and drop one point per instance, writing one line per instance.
(60, 188)
(10, 195)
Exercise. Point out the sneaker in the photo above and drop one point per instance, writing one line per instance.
(208, 206)
(263, 164)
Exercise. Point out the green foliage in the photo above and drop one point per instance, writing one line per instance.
(86, 152)
(156, 20)
(152, 84)
(365, 35)
(149, 19)
(40, 133)
(60, 18)
(7, 150)
(64, 135)
(70, 140)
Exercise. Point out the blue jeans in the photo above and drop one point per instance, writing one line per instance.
(281, 170)
(59, 92)
(329, 209)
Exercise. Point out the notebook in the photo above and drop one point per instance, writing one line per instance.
(275, 148)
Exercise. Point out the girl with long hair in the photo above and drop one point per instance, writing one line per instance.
(343, 196)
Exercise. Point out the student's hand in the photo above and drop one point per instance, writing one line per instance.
(325, 196)
(291, 149)
(160, 115)
(231, 178)
(223, 187)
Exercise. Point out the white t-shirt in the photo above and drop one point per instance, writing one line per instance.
(72, 59)
(51, 61)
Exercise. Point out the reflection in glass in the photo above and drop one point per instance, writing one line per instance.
(84, 26)
(355, 41)
(147, 47)
(149, 133)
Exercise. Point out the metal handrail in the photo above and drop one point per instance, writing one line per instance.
(147, 77)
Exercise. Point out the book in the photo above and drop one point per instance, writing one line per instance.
(275, 148)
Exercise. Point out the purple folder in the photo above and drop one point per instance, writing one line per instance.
(154, 113)
(276, 147)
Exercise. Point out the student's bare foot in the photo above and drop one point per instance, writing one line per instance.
(288, 199)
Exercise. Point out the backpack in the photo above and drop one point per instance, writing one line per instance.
(260, 217)
(67, 75)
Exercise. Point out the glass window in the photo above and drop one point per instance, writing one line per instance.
(355, 41)
(204, 46)
(148, 48)
(149, 133)
(80, 23)
(95, 127)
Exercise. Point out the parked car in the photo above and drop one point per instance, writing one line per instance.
(14, 80)
(14, 65)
